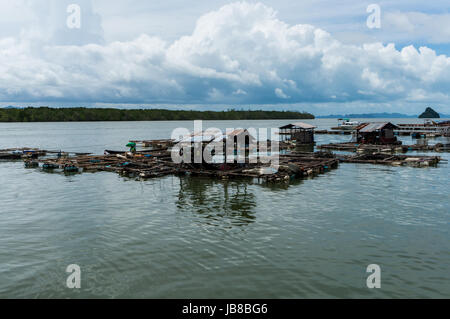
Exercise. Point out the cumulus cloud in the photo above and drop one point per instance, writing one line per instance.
(241, 53)
(279, 92)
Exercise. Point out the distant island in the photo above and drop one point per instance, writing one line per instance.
(426, 114)
(368, 115)
(429, 114)
(81, 114)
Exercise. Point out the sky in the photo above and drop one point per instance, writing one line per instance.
(324, 57)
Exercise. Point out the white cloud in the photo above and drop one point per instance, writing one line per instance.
(240, 92)
(432, 28)
(240, 53)
(279, 92)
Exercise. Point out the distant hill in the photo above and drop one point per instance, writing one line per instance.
(11, 107)
(367, 115)
(429, 114)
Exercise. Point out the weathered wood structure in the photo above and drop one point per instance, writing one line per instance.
(272, 167)
(378, 133)
(366, 148)
(236, 145)
(301, 133)
(391, 159)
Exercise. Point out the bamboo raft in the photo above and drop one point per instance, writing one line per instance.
(397, 132)
(21, 153)
(158, 163)
(296, 165)
(363, 148)
(150, 166)
(163, 143)
(354, 147)
(389, 159)
(31, 152)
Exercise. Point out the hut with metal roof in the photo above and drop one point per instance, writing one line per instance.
(238, 136)
(380, 133)
(238, 142)
(302, 133)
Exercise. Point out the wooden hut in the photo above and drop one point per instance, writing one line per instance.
(379, 133)
(237, 142)
(302, 133)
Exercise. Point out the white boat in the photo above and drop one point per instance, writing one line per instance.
(346, 124)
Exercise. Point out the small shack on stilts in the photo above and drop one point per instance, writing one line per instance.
(378, 133)
(200, 148)
(302, 134)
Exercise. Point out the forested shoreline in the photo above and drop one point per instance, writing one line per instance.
(80, 114)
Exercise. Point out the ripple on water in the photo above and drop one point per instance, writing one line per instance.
(200, 238)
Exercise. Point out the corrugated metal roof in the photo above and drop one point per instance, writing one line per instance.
(198, 137)
(208, 136)
(236, 132)
(372, 127)
(302, 125)
(239, 132)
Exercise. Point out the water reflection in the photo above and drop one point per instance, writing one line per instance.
(218, 201)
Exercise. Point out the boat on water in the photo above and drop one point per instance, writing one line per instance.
(142, 152)
(111, 152)
(10, 156)
(346, 124)
(428, 128)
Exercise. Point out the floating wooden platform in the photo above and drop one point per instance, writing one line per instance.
(353, 147)
(149, 166)
(393, 160)
(28, 152)
(420, 130)
(416, 133)
(163, 143)
(298, 165)
(21, 153)
(356, 147)
(334, 132)
(158, 162)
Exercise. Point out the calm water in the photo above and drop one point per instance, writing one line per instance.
(199, 238)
